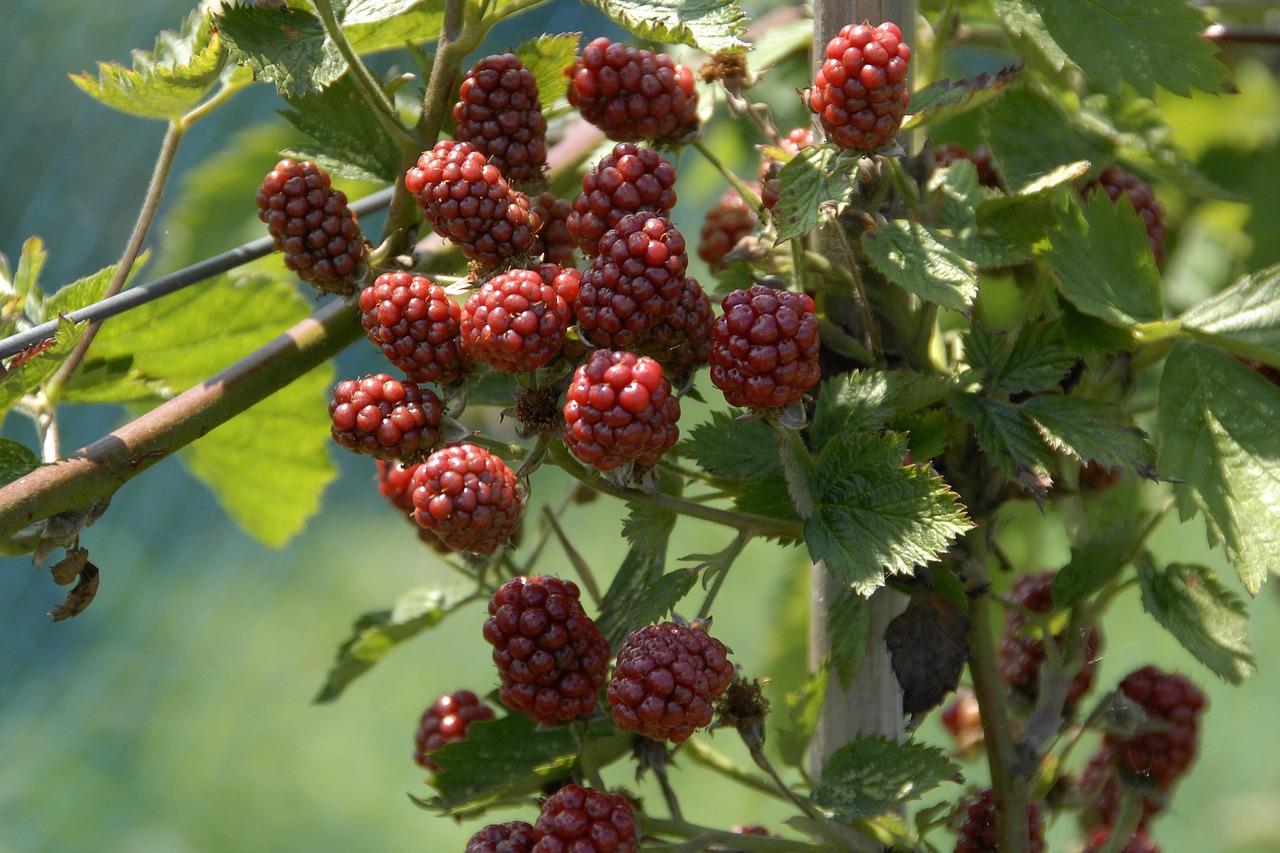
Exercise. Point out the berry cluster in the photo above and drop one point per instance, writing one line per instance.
(1021, 655)
(512, 837)
(764, 347)
(416, 325)
(860, 92)
(728, 221)
(310, 222)
(499, 113)
(573, 820)
(385, 418)
(447, 720)
(978, 831)
(629, 179)
(631, 93)
(467, 497)
(1162, 751)
(620, 409)
(950, 152)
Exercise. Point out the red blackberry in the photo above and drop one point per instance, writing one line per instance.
(629, 179)
(978, 832)
(469, 203)
(679, 343)
(551, 657)
(635, 281)
(385, 418)
(567, 281)
(753, 829)
(1021, 656)
(584, 820)
(1096, 477)
(1163, 752)
(860, 93)
(498, 111)
(949, 152)
(764, 347)
(1100, 788)
(310, 222)
(416, 325)
(620, 408)
(467, 497)
(1139, 843)
(447, 720)
(797, 138)
(554, 243)
(667, 679)
(631, 93)
(963, 719)
(513, 837)
(515, 321)
(395, 483)
(1116, 181)
(727, 222)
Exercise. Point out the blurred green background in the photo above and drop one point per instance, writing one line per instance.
(175, 714)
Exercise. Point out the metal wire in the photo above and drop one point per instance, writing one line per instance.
(171, 283)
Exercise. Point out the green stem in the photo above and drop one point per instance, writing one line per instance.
(751, 196)
(703, 755)
(587, 764)
(727, 556)
(454, 44)
(706, 838)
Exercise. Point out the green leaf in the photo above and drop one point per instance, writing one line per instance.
(1005, 433)
(740, 450)
(664, 594)
(1092, 431)
(1021, 19)
(547, 57)
(871, 775)
(803, 709)
(165, 83)
(1098, 560)
(867, 399)
(350, 142)
(848, 626)
(712, 26)
(377, 633)
(1030, 135)
(874, 515)
(777, 43)
(38, 363)
(1104, 262)
(767, 497)
(1209, 620)
(287, 47)
(1029, 358)
(376, 25)
(1023, 216)
(1216, 424)
(1244, 316)
(647, 528)
(1145, 43)
(809, 185)
(15, 460)
(913, 256)
(943, 99)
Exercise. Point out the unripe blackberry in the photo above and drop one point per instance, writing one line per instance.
(1100, 788)
(635, 281)
(727, 222)
(568, 282)
(515, 321)
(395, 483)
(551, 657)
(1020, 656)
(467, 497)
(416, 325)
(796, 138)
(950, 152)
(1164, 751)
(679, 343)
(1140, 842)
(1116, 181)
(631, 93)
(667, 679)
(447, 720)
(499, 112)
(554, 243)
(620, 408)
(513, 837)
(860, 92)
(310, 222)
(384, 417)
(629, 179)
(978, 832)
(962, 717)
(764, 347)
(469, 203)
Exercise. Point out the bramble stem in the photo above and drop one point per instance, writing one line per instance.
(749, 195)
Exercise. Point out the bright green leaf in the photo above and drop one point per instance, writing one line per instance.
(664, 594)
(36, 368)
(848, 626)
(1209, 620)
(1022, 19)
(282, 46)
(15, 460)
(1097, 561)
(1005, 433)
(867, 399)
(1092, 431)
(712, 26)
(914, 257)
(871, 775)
(547, 57)
(1031, 135)
(1023, 217)
(350, 142)
(803, 709)
(1031, 357)
(81, 293)
(647, 528)
(944, 99)
(379, 25)
(740, 450)
(1242, 317)
(809, 185)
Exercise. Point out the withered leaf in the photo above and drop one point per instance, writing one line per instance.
(928, 648)
(80, 596)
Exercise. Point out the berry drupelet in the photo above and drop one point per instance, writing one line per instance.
(1173, 704)
(447, 720)
(1021, 655)
(583, 820)
(513, 837)
(978, 832)
(310, 222)
(499, 112)
(515, 322)
(860, 92)
(727, 222)
(629, 179)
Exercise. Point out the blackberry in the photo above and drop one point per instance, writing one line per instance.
(629, 179)
(635, 281)
(667, 679)
(631, 93)
(950, 152)
(395, 483)
(554, 243)
(385, 418)
(513, 837)
(567, 281)
(447, 720)
(584, 820)
(764, 347)
(515, 322)
(467, 497)
(1020, 656)
(797, 138)
(1163, 752)
(679, 343)
(1116, 181)
(1139, 843)
(310, 222)
(860, 92)
(551, 657)
(978, 832)
(727, 222)
(1100, 788)
(469, 203)
(499, 112)
(416, 325)
(620, 408)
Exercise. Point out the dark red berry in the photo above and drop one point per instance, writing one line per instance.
(797, 138)
(950, 152)
(515, 321)
(1140, 842)
(620, 408)
(963, 719)
(513, 837)
(395, 483)
(384, 417)
(1096, 477)
(860, 92)
(467, 497)
(584, 820)
(499, 112)
(629, 179)
(978, 832)
(416, 325)
(1161, 752)
(469, 203)
(1021, 654)
(727, 222)
(551, 657)
(310, 222)
(1100, 789)
(554, 243)
(447, 720)
(631, 93)
(764, 347)
(1116, 181)
(679, 343)
(667, 679)
(753, 829)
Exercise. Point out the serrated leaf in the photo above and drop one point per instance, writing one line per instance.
(868, 399)
(1022, 19)
(165, 83)
(1104, 262)
(547, 57)
(287, 47)
(873, 515)
(928, 647)
(1028, 358)
(712, 26)
(1092, 431)
(1216, 422)
(803, 710)
(735, 449)
(1030, 135)
(16, 460)
(914, 257)
(647, 528)
(83, 292)
(944, 99)
(1024, 216)
(1241, 317)
(1145, 43)
(377, 25)
(664, 594)
(375, 634)
(815, 179)
(849, 627)
(1206, 618)
(871, 775)
(1004, 432)
(1097, 561)
(767, 497)
(350, 142)
(39, 366)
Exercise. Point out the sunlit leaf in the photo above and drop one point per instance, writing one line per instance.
(712, 26)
